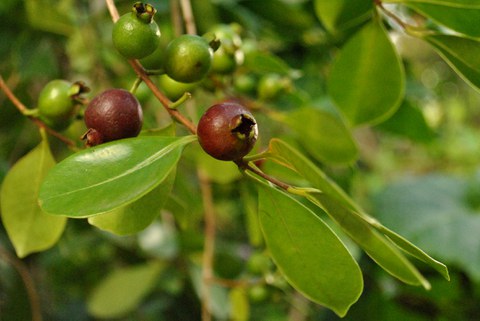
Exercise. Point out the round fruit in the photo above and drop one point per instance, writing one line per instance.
(136, 34)
(188, 58)
(228, 55)
(271, 85)
(112, 115)
(174, 89)
(56, 103)
(227, 131)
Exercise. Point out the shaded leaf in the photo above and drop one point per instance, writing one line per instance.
(323, 134)
(462, 54)
(342, 14)
(409, 122)
(102, 178)
(264, 63)
(309, 254)
(123, 290)
(136, 216)
(28, 227)
(367, 80)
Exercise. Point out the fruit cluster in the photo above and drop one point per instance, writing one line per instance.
(227, 131)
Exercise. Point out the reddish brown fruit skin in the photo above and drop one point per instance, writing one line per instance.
(227, 131)
(112, 115)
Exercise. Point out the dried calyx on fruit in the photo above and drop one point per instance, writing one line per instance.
(227, 131)
(112, 115)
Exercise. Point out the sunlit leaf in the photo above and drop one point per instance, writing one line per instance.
(123, 290)
(28, 227)
(309, 254)
(102, 178)
(136, 216)
(367, 80)
(287, 155)
(342, 14)
(462, 54)
(377, 246)
(323, 134)
(459, 15)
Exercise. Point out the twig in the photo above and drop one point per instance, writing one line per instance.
(188, 17)
(209, 247)
(137, 67)
(24, 110)
(24, 273)
(243, 165)
(390, 14)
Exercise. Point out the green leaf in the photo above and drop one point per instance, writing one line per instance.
(28, 227)
(323, 134)
(459, 15)
(309, 254)
(264, 63)
(136, 216)
(123, 290)
(377, 246)
(367, 80)
(462, 54)
(443, 222)
(102, 178)
(342, 14)
(409, 122)
(287, 155)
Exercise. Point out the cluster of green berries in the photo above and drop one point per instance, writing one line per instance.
(227, 131)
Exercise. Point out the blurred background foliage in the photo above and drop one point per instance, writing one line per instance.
(418, 172)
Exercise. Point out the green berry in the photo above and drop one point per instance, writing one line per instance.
(174, 89)
(136, 35)
(56, 103)
(188, 58)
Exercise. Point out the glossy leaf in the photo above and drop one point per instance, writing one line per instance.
(309, 254)
(367, 80)
(287, 155)
(342, 14)
(136, 216)
(323, 134)
(459, 15)
(443, 222)
(462, 54)
(105, 177)
(377, 246)
(28, 227)
(123, 290)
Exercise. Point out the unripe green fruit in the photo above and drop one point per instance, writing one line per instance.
(56, 103)
(112, 115)
(174, 89)
(136, 35)
(188, 58)
(270, 86)
(227, 131)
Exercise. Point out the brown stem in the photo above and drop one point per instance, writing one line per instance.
(176, 17)
(209, 247)
(390, 14)
(137, 67)
(246, 166)
(23, 109)
(27, 279)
